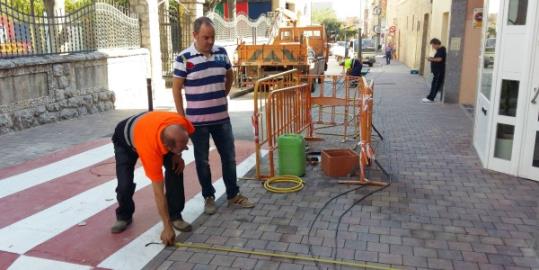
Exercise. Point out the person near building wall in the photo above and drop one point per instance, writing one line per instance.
(437, 67)
(204, 71)
(389, 53)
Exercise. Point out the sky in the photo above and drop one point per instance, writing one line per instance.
(346, 8)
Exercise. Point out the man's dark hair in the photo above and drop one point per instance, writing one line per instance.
(435, 41)
(200, 21)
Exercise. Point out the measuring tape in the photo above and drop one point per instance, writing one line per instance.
(282, 255)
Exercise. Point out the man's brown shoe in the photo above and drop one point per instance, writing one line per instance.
(240, 201)
(120, 225)
(182, 226)
(209, 206)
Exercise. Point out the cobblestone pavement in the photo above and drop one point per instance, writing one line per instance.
(443, 211)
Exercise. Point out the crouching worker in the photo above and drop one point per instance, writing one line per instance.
(158, 139)
(353, 68)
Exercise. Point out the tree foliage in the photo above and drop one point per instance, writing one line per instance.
(327, 18)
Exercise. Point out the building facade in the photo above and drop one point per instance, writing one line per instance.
(506, 129)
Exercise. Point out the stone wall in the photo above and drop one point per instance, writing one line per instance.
(40, 90)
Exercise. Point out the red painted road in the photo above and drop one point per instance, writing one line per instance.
(92, 243)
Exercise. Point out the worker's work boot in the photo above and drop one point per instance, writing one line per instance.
(209, 206)
(120, 225)
(240, 201)
(182, 226)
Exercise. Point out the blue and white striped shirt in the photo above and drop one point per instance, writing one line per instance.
(204, 84)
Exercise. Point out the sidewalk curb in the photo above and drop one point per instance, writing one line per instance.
(241, 92)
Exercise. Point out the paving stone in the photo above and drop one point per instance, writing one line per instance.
(485, 266)
(366, 256)
(390, 239)
(266, 265)
(244, 263)
(460, 265)
(439, 264)
(500, 259)
(393, 259)
(401, 250)
(377, 247)
(463, 246)
(425, 252)
(201, 258)
(415, 261)
(222, 260)
(181, 266)
(527, 262)
(298, 248)
(450, 254)
(204, 267)
(180, 256)
(289, 266)
(256, 244)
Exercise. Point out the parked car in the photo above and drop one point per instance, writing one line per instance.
(368, 51)
(338, 50)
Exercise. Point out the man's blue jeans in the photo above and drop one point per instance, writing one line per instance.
(224, 141)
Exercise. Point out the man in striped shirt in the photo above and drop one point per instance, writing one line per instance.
(204, 71)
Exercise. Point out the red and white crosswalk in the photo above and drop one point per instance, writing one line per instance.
(56, 211)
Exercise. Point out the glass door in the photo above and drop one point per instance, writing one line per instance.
(529, 162)
(483, 109)
(511, 87)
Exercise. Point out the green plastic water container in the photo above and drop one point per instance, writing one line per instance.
(291, 154)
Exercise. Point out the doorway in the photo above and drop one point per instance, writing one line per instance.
(445, 29)
(424, 44)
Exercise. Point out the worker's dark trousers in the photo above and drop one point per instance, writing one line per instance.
(437, 83)
(126, 158)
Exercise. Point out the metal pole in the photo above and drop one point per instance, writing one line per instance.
(379, 26)
(359, 45)
(150, 95)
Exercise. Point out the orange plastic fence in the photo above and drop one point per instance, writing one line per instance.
(366, 151)
(263, 87)
(288, 111)
(335, 100)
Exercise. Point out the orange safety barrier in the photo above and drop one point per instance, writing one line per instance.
(366, 151)
(263, 87)
(335, 101)
(288, 110)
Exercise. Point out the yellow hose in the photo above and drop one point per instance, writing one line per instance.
(284, 179)
(284, 255)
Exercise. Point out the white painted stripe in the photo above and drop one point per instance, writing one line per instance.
(135, 255)
(30, 232)
(28, 262)
(19, 182)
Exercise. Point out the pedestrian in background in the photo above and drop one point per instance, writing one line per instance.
(437, 67)
(204, 71)
(389, 53)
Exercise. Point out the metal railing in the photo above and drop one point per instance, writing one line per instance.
(242, 27)
(175, 26)
(98, 25)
